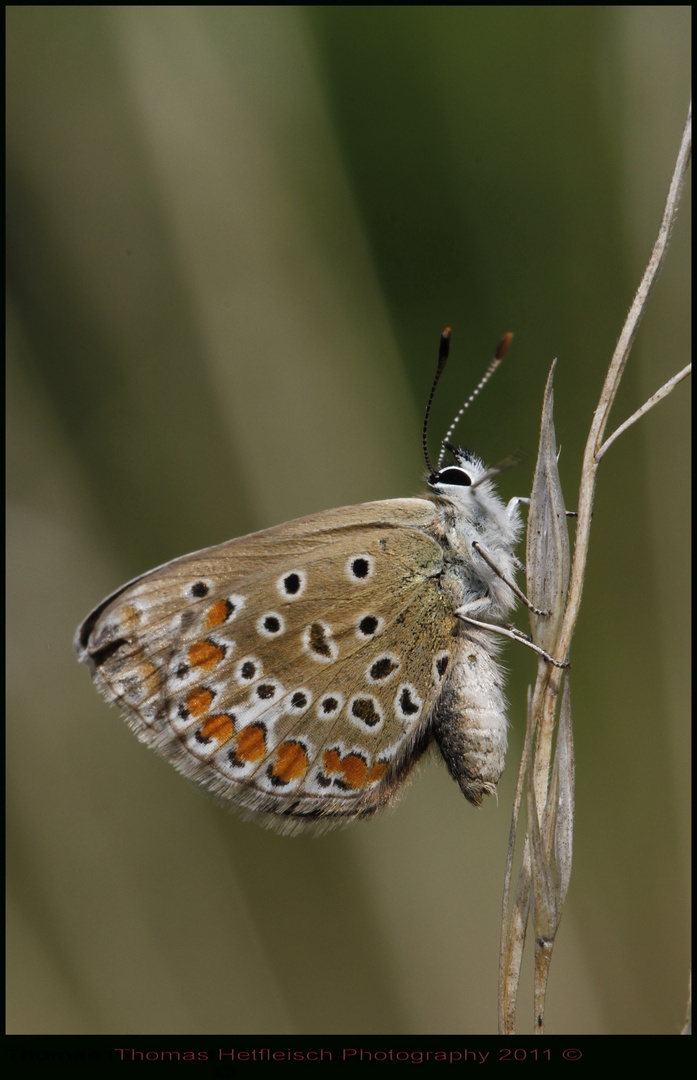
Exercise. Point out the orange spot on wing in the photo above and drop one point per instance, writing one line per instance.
(332, 761)
(198, 701)
(219, 728)
(205, 654)
(377, 772)
(218, 613)
(353, 769)
(251, 744)
(291, 762)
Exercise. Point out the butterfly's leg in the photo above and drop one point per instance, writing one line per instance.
(511, 584)
(510, 632)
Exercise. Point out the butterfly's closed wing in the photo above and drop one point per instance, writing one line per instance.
(295, 671)
(302, 671)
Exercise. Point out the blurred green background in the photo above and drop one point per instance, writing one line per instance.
(234, 237)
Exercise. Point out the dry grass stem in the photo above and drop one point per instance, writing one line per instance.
(547, 767)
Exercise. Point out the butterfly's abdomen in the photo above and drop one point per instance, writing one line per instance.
(469, 721)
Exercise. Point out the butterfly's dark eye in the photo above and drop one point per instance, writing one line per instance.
(453, 476)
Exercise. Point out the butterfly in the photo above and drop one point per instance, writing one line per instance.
(301, 672)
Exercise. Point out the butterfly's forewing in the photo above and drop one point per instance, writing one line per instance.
(295, 671)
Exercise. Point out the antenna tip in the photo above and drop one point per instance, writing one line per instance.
(502, 346)
(444, 348)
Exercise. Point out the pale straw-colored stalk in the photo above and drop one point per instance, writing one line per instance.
(548, 783)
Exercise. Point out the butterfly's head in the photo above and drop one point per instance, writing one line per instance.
(463, 471)
(466, 487)
(464, 480)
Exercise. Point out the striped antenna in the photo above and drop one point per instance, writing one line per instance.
(499, 353)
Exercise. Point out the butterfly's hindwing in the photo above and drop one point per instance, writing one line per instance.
(294, 672)
(303, 670)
